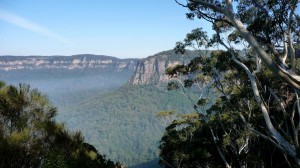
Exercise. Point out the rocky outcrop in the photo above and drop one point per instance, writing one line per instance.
(8, 63)
(152, 69)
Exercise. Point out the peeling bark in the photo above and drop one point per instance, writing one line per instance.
(290, 77)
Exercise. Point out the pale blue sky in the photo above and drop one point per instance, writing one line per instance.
(121, 28)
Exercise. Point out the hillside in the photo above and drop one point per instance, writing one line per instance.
(122, 124)
(114, 106)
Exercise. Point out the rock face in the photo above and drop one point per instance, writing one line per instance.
(8, 63)
(152, 69)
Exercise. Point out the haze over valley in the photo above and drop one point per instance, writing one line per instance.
(149, 84)
(114, 102)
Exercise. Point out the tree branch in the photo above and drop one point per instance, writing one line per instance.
(288, 148)
(211, 6)
(288, 76)
(181, 4)
(290, 39)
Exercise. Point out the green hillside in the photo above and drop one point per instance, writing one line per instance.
(123, 124)
(119, 120)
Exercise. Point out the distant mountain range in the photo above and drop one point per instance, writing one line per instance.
(150, 70)
(113, 101)
(8, 63)
(145, 71)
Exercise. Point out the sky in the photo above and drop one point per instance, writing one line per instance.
(120, 28)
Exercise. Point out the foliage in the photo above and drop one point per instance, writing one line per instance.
(254, 120)
(223, 125)
(119, 121)
(123, 123)
(30, 137)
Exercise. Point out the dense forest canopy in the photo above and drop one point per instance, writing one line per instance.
(30, 137)
(255, 120)
(243, 96)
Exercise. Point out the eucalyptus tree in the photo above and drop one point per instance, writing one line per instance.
(30, 136)
(264, 25)
(254, 75)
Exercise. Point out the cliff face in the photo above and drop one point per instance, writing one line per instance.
(152, 69)
(8, 63)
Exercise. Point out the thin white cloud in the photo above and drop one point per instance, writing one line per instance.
(31, 26)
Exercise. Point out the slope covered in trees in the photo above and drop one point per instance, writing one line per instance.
(120, 122)
(123, 123)
(30, 137)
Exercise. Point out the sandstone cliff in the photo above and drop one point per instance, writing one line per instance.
(8, 63)
(152, 69)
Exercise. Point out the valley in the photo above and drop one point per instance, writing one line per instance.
(91, 84)
(113, 102)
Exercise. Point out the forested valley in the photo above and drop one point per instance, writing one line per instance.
(117, 117)
(226, 99)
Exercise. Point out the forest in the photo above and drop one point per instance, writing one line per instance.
(132, 116)
(254, 121)
(237, 106)
(30, 137)
(107, 108)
